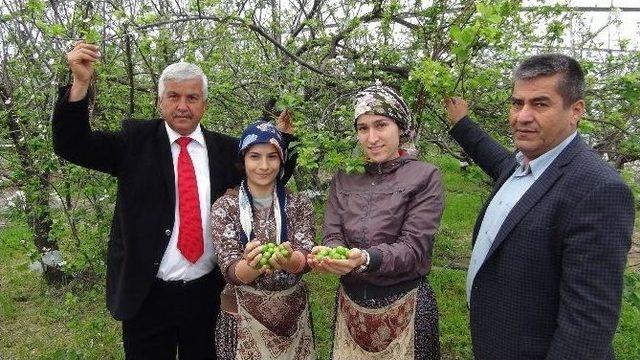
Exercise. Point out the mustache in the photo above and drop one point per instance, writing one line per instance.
(185, 114)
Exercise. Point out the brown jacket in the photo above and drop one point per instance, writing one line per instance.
(393, 211)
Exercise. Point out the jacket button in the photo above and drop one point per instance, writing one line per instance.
(167, 232)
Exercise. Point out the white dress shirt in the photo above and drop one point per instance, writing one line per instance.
(174, 266)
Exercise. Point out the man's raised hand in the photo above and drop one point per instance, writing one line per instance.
(457, 108)
(81, 61)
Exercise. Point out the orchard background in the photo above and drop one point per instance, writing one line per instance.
(262, 56)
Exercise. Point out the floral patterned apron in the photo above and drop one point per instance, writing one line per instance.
(274, 324)
(375, 334)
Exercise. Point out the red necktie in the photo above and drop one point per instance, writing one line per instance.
(190, 242)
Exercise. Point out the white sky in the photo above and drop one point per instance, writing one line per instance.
(629, 27)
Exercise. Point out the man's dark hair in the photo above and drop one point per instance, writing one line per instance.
(570, 87)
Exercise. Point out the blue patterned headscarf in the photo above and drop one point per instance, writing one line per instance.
(262, 132)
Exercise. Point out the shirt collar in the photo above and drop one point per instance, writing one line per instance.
(196, 135)
(538, 165)
(388, 166)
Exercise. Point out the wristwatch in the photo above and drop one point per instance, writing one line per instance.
(363, 267)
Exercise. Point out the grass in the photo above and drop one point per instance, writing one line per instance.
(455, 337)
(42, 322)
(323, 289)
(71, 322)
(627, 340)
(464, 196)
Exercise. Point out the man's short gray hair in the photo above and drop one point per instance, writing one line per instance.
(570, 87)
(182, 71)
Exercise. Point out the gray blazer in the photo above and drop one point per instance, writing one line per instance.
(551, 284)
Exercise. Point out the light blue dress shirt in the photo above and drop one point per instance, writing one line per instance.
(503, 202)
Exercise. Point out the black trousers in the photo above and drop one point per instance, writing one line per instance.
(176, 318)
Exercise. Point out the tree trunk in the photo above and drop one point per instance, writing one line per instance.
(35, 185)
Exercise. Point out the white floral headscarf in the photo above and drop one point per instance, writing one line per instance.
(383, 100)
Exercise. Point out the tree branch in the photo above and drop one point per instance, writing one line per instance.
(237, 22)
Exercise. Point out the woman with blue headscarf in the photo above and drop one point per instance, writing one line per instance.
(265, 305)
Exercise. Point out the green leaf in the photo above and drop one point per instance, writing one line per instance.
(57, 30)
(92, 36)
(37, 6)
(494, 19)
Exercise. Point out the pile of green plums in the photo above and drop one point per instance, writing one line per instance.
(268, 250)
(336, 253)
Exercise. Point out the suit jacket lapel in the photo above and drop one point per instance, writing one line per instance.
(166, 164)
(532, 196)
(526, 202)
(213, 155)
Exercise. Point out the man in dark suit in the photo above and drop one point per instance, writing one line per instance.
(546, 273)
(162, 280)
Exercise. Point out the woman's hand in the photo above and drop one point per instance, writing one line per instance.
(253, 253)
(291, 264)
(247, 270)
(354, 259)
(313, 261)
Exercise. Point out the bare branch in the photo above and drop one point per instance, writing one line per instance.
(234, 21)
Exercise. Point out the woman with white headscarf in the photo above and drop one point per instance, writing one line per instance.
(388, 217)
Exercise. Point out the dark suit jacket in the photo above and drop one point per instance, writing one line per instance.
(551, 284)
(139, 156)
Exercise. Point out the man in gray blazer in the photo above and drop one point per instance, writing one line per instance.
(549, 247)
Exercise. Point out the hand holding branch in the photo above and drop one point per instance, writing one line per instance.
(81, 60)
(457, 108)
